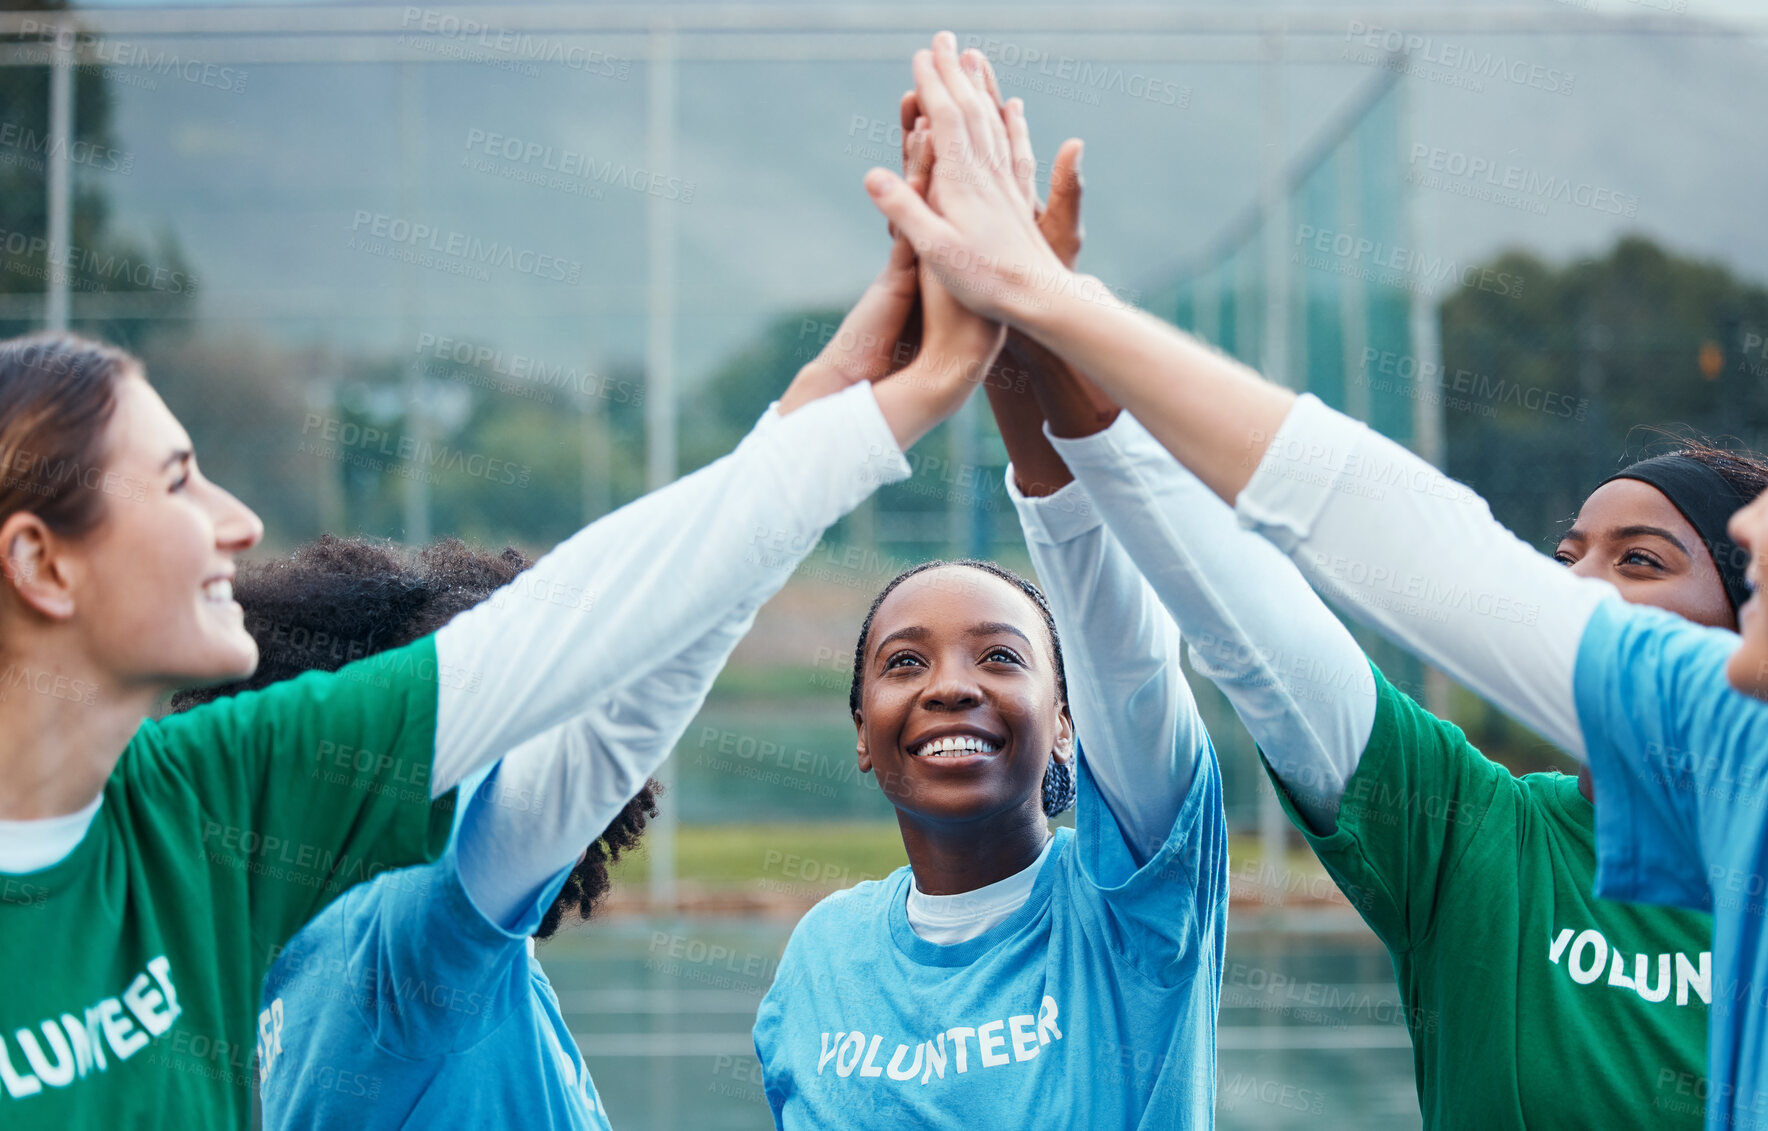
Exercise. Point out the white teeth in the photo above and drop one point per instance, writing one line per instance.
(220, 589)
(954, 746)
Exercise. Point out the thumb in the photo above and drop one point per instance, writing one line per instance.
(908, 214)
(1060, 222)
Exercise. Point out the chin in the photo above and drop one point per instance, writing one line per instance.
(953, 805)
(224, 663)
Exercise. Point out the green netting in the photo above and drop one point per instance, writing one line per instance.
(1337, 245)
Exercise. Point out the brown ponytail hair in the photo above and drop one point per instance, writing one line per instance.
(57, 394)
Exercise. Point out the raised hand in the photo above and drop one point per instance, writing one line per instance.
(977, 230)
(957, 346)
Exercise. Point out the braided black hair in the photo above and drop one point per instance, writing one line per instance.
(1058, 792)
(340, 599)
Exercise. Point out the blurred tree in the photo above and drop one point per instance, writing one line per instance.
(247, 415)
(740, 390)
(1548, 393)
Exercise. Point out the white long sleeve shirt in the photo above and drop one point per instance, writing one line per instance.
(1292, 672)
(1420, 557)
(691, 565)
(534, 819)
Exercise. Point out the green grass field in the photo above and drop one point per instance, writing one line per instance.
(839, 854)
(737, 855)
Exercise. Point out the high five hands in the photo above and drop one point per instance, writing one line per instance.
(978, 228)
(922, 369)
(925, 332)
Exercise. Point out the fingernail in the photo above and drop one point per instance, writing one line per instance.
(877, 181)
(945, 41)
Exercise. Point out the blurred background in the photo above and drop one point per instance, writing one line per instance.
(494, 270)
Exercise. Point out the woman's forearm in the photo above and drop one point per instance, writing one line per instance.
(1213, 413)
(1403, 547)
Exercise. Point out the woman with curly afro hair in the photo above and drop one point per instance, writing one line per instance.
(363, 983)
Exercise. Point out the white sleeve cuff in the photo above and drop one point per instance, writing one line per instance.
(1053, 519)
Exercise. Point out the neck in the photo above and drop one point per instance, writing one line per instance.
(62, 728)
(953, 857)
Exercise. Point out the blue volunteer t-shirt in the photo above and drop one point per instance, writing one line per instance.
(1680, 761)
(402, 1005)
(1093, 1005)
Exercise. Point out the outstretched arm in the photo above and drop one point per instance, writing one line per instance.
(1297, 679)
(557, 793)
(1293, 673)
(1133, 711)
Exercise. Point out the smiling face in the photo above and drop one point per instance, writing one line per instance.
(1748, 668)
(960, 710)
(152, 586)
(1630, 534)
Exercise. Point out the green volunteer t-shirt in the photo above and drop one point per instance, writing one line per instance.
(1530, 1002)
(132, 967)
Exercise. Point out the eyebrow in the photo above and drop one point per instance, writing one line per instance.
(986, 628)
(182, 455)
(1638, 531)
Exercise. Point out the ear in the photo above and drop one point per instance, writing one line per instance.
(865, 758)
(34, 567)
(1064, 751)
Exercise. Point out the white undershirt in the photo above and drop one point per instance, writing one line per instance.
(948, 919)
(29, 846)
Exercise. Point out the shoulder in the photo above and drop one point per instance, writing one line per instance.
(1644, 675)
(1404, 729)
(862, 905)
(1398, 715)
(844, 922)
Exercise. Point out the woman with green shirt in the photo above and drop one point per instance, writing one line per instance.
(150, 870)
(1520, 988)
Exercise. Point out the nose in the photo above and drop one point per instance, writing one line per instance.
(237, 526)
(950, 689)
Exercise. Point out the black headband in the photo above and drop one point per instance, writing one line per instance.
(1707, 500)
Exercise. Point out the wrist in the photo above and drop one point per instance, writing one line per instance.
(815, 380)
(1053, 309)
(917, 397)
